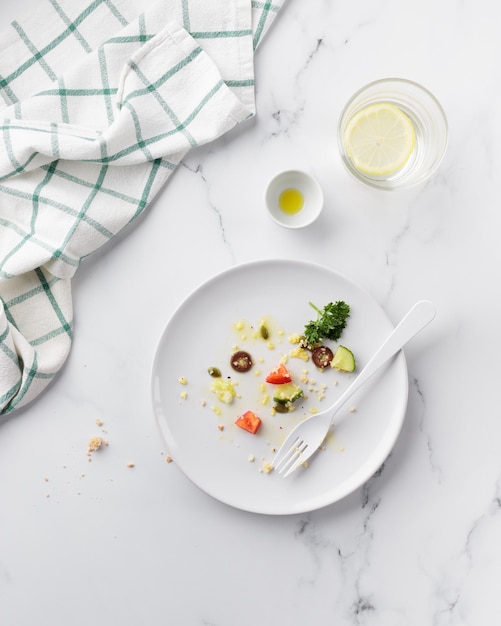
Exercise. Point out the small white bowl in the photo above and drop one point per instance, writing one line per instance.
(313, 198)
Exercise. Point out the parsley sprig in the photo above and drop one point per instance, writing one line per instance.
(330, 323)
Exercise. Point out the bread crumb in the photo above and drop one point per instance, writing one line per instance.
(251, 458)
(220, 426)
(182, 380)
(95, 443)
(99, 422)
(46, 479)
(130, 465)
(168, 459)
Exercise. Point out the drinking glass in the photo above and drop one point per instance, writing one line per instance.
(430, 129)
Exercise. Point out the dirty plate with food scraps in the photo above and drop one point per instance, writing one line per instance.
(226, 314)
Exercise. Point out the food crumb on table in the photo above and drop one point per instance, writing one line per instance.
(95, 443)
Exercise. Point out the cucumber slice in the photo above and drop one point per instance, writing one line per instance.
(344, 360)
(288, 392)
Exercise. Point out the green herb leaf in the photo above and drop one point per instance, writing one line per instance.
(330, 323)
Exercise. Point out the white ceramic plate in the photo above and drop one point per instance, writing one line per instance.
(202, 334)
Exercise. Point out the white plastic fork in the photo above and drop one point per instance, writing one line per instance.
(308, 436)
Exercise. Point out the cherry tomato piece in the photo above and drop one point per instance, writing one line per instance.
(279, 376)
(249, 421)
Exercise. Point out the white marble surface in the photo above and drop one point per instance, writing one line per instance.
(420, 544)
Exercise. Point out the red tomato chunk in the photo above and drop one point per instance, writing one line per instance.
(279, 376)
(249, 421)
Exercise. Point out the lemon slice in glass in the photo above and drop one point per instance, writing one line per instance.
(379, 139)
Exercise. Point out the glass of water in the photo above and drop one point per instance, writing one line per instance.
(392, 134)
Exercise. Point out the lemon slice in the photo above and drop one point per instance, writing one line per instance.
(379, 139)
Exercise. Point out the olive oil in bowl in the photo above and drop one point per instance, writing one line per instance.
(291, 201)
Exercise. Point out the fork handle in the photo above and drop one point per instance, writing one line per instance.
(416, 319)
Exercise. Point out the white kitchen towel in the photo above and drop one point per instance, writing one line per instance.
(99, 102)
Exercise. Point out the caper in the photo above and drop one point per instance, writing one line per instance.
(214, 372)
(264, 332)
(281, 408)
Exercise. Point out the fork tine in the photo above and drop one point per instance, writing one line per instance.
(284, 456)
(285, 450)
(299, 461)
(288, 460)
(293, 457)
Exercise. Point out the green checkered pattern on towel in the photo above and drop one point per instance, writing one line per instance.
(100, 102)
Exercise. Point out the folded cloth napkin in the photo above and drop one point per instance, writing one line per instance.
(99, 103)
